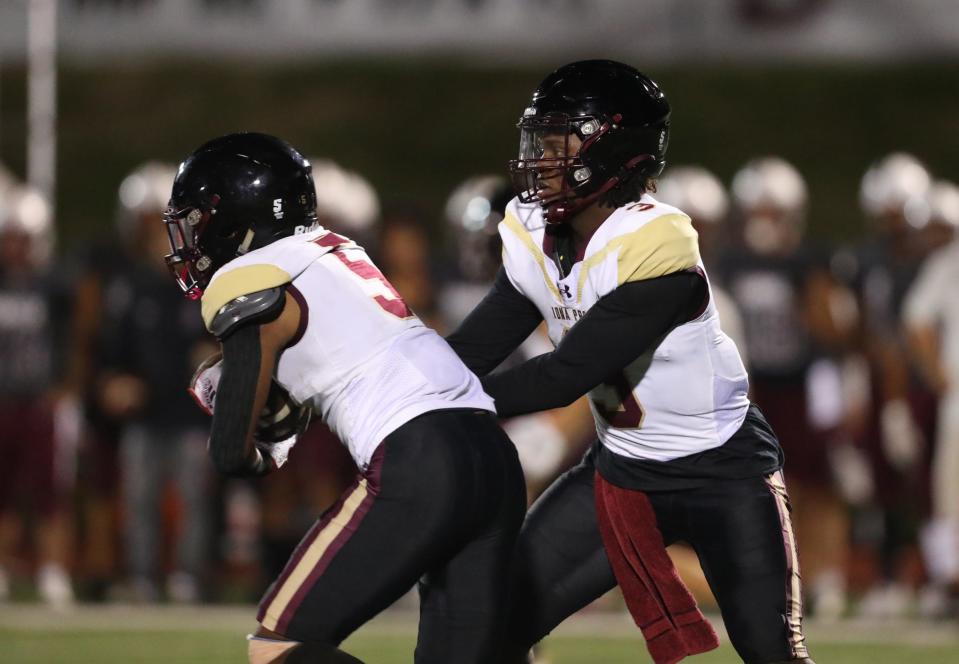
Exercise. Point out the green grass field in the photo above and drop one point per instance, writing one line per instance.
(123, 634)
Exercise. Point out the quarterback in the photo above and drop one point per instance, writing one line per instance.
(308, 323)
(681, 453)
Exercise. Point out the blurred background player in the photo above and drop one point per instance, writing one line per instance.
(404, 254)
(472, 212)
(796, 320)
(901, 412)
(931, 317)
(143, 369)
(547, 442)
(37, 466)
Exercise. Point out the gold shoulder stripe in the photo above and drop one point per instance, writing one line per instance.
(514, 225)
(241, 281)
(665, 245)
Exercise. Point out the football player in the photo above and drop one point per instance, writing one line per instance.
(682, 454)
(799, 321)
(900, 418)
(38, 457)
(439, 497)
(931, 317)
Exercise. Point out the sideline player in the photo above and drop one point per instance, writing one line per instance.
(799, 321)
(931, 319)
(618, 279)
(439, 497)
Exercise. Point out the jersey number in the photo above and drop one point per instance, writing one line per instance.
(389, 300)
(387, 297)
(624, 411)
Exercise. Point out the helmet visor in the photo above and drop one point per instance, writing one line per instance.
(548, 159)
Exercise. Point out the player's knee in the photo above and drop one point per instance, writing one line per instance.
(266, 650)
(319, 653)
(263, 650)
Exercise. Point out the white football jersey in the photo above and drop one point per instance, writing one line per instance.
(364, 361)
(931, 302)
(686, 395)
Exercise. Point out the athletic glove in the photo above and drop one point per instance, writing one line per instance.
(275, 454)
(281, 417)
(205, 380)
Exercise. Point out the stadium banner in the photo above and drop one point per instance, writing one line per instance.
(498, 31)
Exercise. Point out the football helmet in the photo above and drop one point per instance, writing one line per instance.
(143, 193)
(235, 194)
(620, 119)
(896, 186)
(25, 212)
(695, 191)
(771, 196)
(473, 212)
(769, 183)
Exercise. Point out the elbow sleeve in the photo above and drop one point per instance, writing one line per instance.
(232, 417)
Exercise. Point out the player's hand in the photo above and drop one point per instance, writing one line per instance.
(122, 395)
(276, 453)
(900, 436)
(206, 379)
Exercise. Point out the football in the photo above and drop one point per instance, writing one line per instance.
(281, 416)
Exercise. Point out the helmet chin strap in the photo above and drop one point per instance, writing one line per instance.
(561, 210)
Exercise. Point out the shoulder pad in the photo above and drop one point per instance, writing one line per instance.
(663, 245)
(259, 307)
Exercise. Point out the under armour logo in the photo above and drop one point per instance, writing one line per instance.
(567, 293)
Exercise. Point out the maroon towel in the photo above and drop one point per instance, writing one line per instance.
(658, 600)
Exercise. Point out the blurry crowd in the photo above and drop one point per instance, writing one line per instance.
(853, 354)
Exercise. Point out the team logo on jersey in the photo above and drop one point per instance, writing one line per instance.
(277, 208)
(567, 292)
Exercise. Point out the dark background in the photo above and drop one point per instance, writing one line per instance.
(416, 127)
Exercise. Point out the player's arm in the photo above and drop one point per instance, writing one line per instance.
(619, 328)
(496, 327)
(252, 331)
